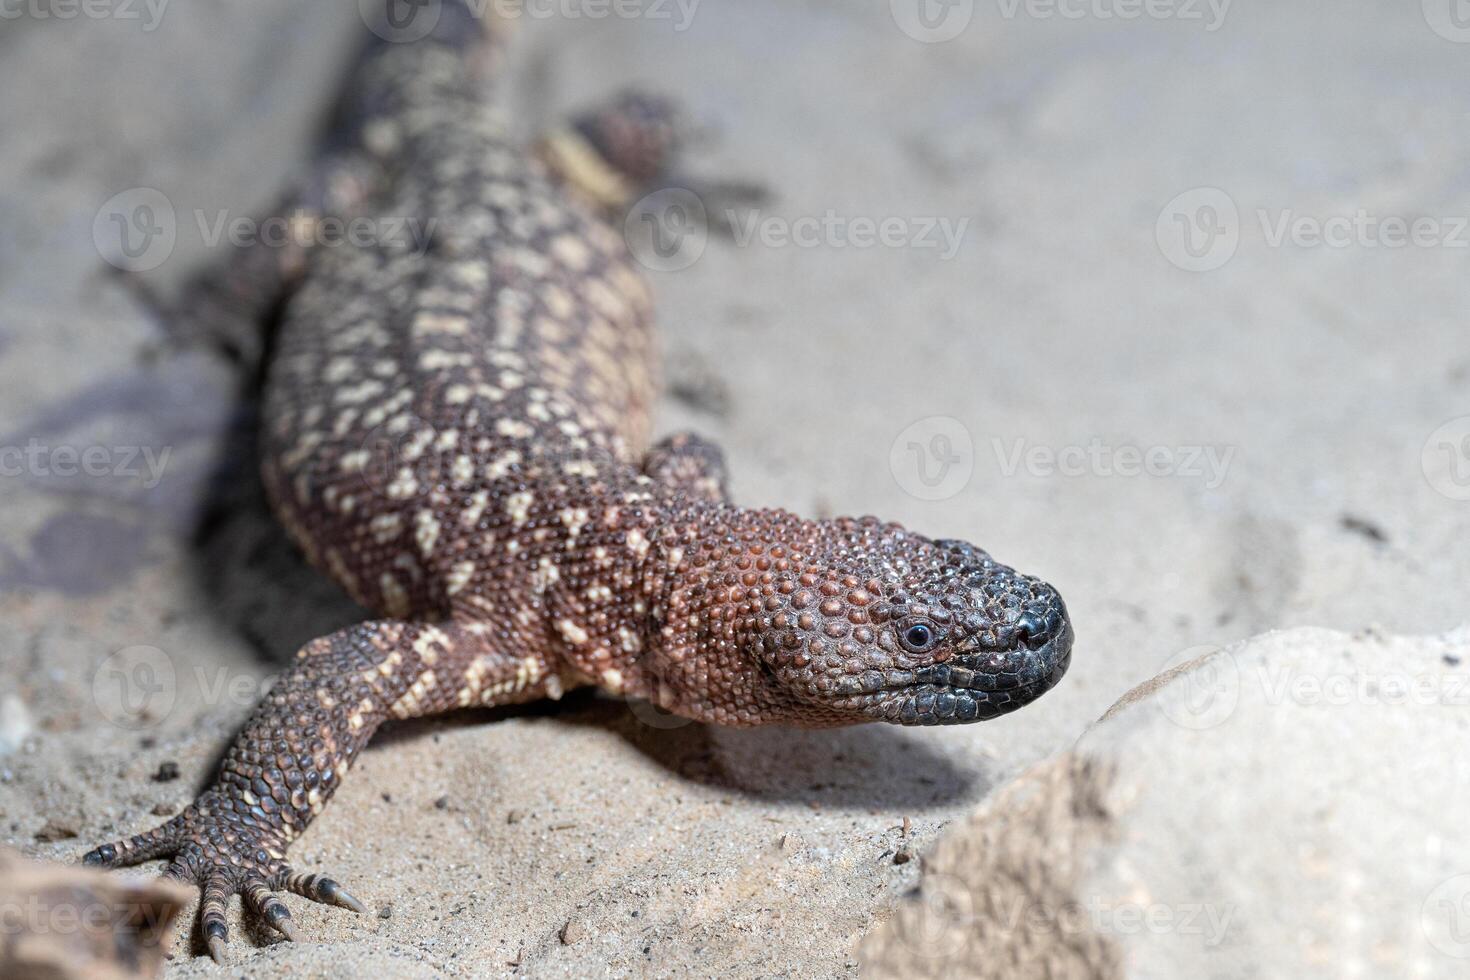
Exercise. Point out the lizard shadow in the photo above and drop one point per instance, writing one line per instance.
(256, 581)
(862, 767)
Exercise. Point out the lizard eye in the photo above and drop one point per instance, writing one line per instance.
(918, 637)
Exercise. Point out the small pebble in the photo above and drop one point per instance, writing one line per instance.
(167, 772)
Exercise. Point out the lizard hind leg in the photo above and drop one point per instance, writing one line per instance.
(619, 148)
(639, 134)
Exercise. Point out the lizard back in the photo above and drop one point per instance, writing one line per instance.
(431, 382)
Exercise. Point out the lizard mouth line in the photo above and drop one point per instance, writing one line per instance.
(946, 694)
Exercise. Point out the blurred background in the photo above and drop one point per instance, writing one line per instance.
(1162, 302)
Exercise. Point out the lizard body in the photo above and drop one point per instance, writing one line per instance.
(456, 429)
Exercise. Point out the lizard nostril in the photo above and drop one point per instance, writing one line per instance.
(1036, 628)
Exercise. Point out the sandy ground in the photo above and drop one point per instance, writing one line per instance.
(1293, 397)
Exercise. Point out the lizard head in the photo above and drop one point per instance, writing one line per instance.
(892, 626)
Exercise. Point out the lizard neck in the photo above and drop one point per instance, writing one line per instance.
(706, 579)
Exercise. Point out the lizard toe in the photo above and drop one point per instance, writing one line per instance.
(162, 841)
(320, 888)
(260, 899)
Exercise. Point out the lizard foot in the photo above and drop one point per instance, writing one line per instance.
(219, 850)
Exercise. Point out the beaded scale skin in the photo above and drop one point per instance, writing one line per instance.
(456, 432)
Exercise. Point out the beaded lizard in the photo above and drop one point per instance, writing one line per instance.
(456, 434)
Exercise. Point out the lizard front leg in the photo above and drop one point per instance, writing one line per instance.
(690, 464)
(230, 303)
(294, 752)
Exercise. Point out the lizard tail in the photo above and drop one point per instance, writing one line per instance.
(418, 53)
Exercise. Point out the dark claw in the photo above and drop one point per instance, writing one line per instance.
(285, 927)
(217, 938)
(337, 895)
(279, 918)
